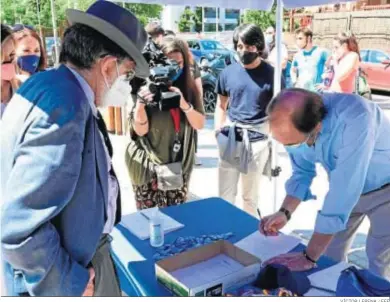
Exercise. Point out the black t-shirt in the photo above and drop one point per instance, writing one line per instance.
(249, 91)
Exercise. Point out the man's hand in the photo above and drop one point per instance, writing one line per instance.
(270, 225)
(90, 289)
(294, 261)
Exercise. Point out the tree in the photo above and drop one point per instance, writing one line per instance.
(145, 12)
(26, 11)
(261, 18)
(187, 20)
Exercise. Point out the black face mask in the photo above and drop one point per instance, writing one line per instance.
(247, 57)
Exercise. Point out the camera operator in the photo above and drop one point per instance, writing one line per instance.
(156, 34)
(162, 146)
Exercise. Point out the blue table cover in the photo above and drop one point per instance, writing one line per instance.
(134, 257)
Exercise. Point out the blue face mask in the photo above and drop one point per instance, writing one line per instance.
(177, 75)
(29, 63)
(269, 39)
(299, 148)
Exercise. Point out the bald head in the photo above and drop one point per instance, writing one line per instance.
(294, 113)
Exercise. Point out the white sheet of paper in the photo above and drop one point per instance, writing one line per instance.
(139, 225)
(328, 278)
(207, 271)
(267, 247)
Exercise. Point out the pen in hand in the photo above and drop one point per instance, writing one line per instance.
(258, 213)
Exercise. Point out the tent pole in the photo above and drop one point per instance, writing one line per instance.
(53, 18)
(202, 19)
(277, 88)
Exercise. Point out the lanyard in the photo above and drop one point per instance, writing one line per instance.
(175, 113)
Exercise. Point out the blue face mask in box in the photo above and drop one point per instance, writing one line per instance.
(29, 63)
(177, 75)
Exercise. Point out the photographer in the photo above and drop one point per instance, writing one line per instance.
(156, 34)
(161, 139)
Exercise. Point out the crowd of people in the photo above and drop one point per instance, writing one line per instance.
(59, 191)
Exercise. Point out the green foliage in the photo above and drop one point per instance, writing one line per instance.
(261, 18)
(25, 11)
(188, 20)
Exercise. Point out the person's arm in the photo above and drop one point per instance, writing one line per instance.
(222, 102)
(294, 71)
(297, 190)
(346, 67)
(42, 181)
(139, 119)
(194, 113)
(220, 112)
(346, 181)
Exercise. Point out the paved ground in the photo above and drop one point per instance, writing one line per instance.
(204, 184)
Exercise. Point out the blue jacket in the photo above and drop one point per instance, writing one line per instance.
(53, 186)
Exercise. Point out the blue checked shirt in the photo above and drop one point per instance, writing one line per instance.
(354, 148)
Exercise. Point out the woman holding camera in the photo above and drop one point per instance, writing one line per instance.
(161, 153)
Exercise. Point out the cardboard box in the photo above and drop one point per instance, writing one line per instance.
(249, 267)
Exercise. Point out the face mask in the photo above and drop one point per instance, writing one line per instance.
(177, 75)
(269, 39)
(29, 63)
(118, 93)
(248, 57)
(299, 148)
(7, 71)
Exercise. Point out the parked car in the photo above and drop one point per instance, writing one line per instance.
(209, 75)
(376, 66)
(208, 50)
(50, 50)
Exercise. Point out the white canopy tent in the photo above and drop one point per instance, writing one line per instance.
(256, 5)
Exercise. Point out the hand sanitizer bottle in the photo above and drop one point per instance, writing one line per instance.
(156, 230)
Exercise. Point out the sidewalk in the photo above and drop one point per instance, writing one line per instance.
(204, 184)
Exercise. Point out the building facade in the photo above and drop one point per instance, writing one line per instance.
(227, 19)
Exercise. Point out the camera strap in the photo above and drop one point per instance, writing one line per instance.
(175, 113)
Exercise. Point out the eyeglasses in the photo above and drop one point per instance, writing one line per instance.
(130, 75)
(20, 27)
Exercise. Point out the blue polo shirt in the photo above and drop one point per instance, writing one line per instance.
(310, 67)
(249, 91)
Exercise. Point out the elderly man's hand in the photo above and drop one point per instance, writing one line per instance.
(270, 225)
(294, 261)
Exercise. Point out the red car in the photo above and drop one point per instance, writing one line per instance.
(376, 65)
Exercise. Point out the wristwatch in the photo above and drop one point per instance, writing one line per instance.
(285, 212)
(309, 258)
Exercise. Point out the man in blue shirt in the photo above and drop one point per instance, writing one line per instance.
(350, 138)
(245, 89)
(308, 64)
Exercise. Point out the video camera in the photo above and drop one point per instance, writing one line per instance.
(162, 70)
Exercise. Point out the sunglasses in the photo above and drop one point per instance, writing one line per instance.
(20, 27)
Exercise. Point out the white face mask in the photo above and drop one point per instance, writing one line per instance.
(118, 93)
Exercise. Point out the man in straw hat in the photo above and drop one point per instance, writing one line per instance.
(60, 196)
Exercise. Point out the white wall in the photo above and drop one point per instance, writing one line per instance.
(170, 16)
